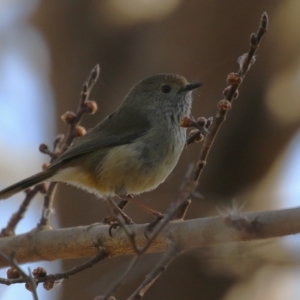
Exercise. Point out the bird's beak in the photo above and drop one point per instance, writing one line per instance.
(192, 86)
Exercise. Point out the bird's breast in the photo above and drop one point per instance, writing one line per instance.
(140, 166)
(127, 169)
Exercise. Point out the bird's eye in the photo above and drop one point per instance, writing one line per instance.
(165, 89)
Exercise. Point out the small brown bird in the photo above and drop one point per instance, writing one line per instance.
(131, 151)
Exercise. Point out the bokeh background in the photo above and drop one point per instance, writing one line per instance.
(47, 50)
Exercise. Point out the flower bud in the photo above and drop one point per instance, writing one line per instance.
(49, 284)
(90, 107)
(69, 117)
(12, 273)
(39, 272)
(45, 166)
(43, 148)
(234, 78)
(186, 122)
(80, 131)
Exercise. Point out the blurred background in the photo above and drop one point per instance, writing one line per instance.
(47, 50)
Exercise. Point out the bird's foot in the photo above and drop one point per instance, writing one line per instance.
(117, 210)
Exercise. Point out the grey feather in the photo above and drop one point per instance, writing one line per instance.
(107, 134)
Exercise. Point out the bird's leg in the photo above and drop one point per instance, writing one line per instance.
(149, 210)
(158, 215)
(122, 204)
(116, 209)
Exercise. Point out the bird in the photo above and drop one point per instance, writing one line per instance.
(132, 150)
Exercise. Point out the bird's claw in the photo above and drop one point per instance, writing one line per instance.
(114, 225)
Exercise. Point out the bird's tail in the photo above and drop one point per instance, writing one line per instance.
(26, 183)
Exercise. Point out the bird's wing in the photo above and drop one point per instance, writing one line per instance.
(112, 131)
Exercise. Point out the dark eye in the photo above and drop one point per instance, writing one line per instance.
(165, 89)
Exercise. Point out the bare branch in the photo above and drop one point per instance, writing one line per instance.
(117, 283)
(30, 282)
(40, 274)
(73, 119)
(44, 222)
(18, 216)
(224, 106)
(81, 241)
(155, 273)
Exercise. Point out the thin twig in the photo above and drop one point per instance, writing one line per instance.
(52, 278)
(182, 210)
(79, 268)
(73, 119)
(117, 283)
(83, 106)
(9, 230)
(150, 279)
(31, 284)
(235, 80)
(44, 222)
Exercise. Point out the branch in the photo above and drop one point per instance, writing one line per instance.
(150, 279)
(230, 93)
(16, 275)
(73, 119)
(30, 282)
(83, 241)
(19, 214)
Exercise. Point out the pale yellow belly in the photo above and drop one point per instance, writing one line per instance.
(120, 172)
(123, 172)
